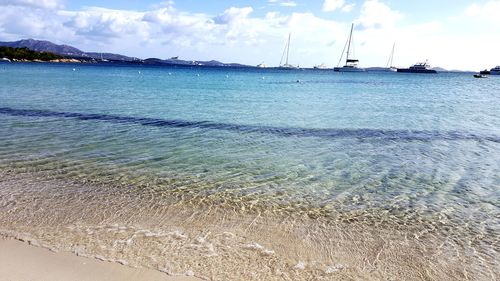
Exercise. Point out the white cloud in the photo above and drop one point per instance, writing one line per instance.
(332, 5)
(233, 35)
(347, 8)
(284, 3)
(375, 14)
(489, 11)
(45, 4)
(233, 15)
(239, 35)
(34, 23)
(104, 24)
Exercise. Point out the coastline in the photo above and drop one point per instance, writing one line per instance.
(23, 262)
(232, 241)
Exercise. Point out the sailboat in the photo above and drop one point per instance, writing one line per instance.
(286, 51)
(351, 64)
(389, 66)
(103, 60)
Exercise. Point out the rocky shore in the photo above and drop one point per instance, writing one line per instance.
(37, 60)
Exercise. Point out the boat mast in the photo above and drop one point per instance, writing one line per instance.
(349, 45)
(341, 56)
(392, 54)
(288, 47)
(391, 57)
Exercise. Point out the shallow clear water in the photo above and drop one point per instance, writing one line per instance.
(415, 147)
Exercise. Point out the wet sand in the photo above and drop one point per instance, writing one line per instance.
(20, 261)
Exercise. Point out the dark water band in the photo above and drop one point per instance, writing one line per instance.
(423, 135)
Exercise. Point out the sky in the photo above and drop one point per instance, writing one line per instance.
(454, 34)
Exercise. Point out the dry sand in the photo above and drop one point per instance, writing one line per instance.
(22, 262)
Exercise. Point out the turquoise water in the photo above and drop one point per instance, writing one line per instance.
(328, 136)
(403, 143)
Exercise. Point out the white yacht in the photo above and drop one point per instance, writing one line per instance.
(351, 64)
(421, 67)
(321, 66)
(262, 65)
(495, 70)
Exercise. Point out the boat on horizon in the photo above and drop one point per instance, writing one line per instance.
(420, 67)
(494, 71)
(351, 64)
(261, 65)
(286, 52)
(389, 66)
(321, 66)
(103, 59)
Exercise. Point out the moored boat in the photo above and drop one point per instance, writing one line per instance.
(421, 67)
(351, 64)
(286, 52)
(495, 70)
(321, 66)
(389, 67)
(480, 76)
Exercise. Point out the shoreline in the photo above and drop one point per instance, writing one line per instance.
(226, 242)
(21, 261)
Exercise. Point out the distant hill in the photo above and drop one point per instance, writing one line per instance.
(212, 63)
(43, 46)
(26, 54)
(72, 52)
(63, 50)
(439, 69)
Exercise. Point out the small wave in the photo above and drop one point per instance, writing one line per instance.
(420, 135)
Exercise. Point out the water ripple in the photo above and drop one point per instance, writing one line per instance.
(421, 135)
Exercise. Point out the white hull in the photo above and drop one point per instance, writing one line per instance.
(388, 69)
(348, 69)
(288, 66)
(321, 66)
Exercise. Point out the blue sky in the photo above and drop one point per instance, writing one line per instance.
(455, 34)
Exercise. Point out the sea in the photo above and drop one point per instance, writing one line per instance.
(254, 174)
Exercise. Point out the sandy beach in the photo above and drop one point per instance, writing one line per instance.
(20, 261)
(210, 244)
